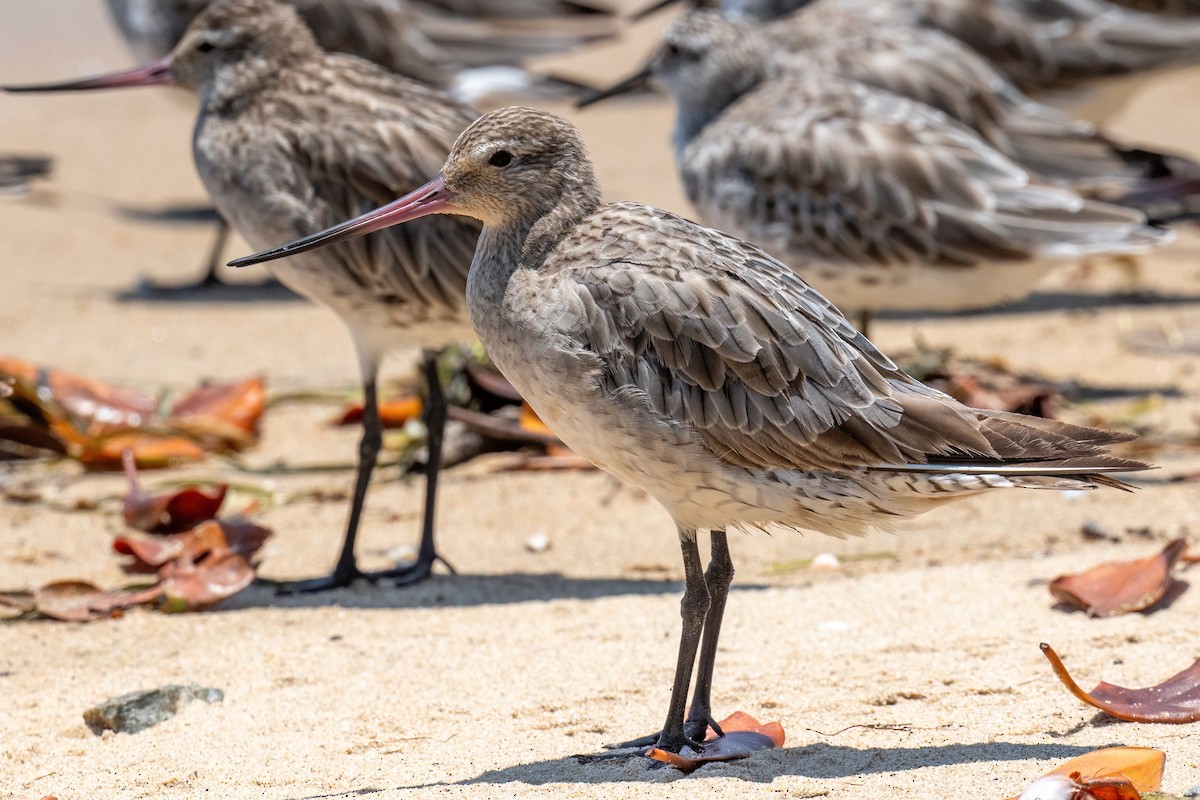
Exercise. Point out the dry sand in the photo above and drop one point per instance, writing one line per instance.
(485, 684)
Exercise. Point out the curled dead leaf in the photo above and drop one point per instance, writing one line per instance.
(167, 513)
(80, 601)
(150, 450)
(222, 416)
(1118, 587)
(743, 736)
(1176, 700)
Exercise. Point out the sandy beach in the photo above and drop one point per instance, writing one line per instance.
(913, 670)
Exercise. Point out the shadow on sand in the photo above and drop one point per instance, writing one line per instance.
(820, 761)
(456, 591)
(1045, 302)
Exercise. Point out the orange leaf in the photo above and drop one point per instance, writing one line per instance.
(239, 405)
(1175, 700)
(392, 413)
(103, 407)
(530, 421)
(743, 736)
(150, 450)
(1118, 587)
(1111, 773)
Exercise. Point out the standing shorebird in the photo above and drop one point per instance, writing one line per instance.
(290, 139)
(695, 366)
(419, 39)
(882, 202)
(1038, 44)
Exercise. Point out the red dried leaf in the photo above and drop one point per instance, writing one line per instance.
(149, 552)
(492, 382)
(743, 736)
(239, 405)
(392, 413)
(1118, 587)
(1175, 700)
(167, 513)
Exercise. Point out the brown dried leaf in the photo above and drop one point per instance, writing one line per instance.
(1118, 587)
(743, 736)
(1175, 700)
(167, 513)
(189, 585)
(80, 601)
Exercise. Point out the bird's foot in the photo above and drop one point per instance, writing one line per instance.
(338, 579)
(408, 574)
(695, 731)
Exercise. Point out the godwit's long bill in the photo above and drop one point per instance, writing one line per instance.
(695, 366)
(290, 139)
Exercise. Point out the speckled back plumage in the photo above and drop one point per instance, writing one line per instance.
(881, 201)
(291, 139)
(427, 40)
(932, 67)
(1037, 43)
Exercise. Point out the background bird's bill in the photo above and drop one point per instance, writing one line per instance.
(156, 73)
(432, 198)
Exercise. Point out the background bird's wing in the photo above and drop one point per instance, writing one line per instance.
(392, 135)
(821, 165)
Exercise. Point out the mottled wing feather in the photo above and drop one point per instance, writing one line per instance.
(385, 147)
(714, 334)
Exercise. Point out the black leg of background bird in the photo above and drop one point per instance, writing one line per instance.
(434, 415)
(212, 266)
(864, 322)
(346, 571)
(717, 578)
(693, 610)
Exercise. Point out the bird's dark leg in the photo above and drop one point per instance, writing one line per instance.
(717, 579)
(693, 610)
(434, 415)
(346, 570)
(211, 277)
(864, 322)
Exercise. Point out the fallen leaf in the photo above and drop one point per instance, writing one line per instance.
(223, 416)
(492, 382)
(150, 450)
(212, 538)
(1176, 700)
(743, 736)
(392, 413)
(167, 513)
(188, 585)
(1111, 773)
(80, 601)
(1118, 587)
(103, 406)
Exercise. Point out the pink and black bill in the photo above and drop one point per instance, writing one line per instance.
(156, 73)
(432, 198)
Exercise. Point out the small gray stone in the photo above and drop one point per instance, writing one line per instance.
(137, 711)
(1192, 792)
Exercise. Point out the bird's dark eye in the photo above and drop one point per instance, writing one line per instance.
(500, 158)
(206, 47)
(673, 50)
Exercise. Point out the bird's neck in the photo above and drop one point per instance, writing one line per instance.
(525, 240)
(694, 113)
